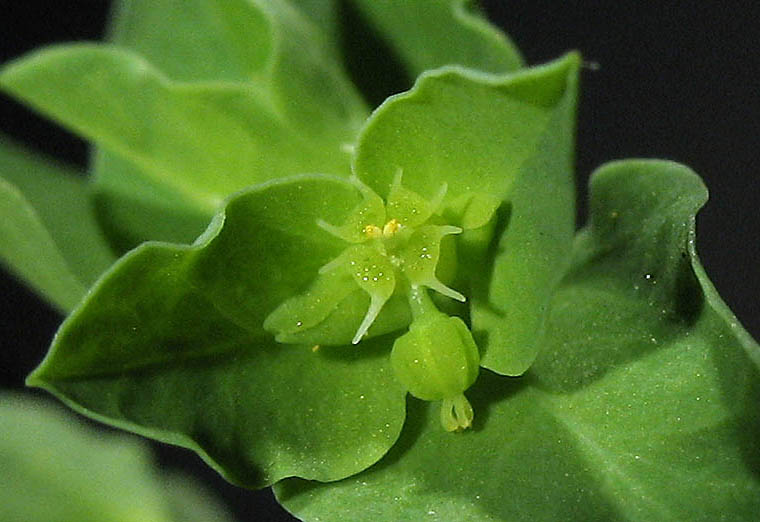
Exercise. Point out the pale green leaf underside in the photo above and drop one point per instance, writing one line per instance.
(170, 344)
(641, 406)
(413, 29)
(54, 469)
(28, 249)
(507, 137)
(49, 234)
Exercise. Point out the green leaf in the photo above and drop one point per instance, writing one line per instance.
(49, 235)
(29, 250)
(255, 44)
(506, 143)
(54, 469)
(196, 40)
(324, 14)
(413, 30)
(641, 406)
(170, 344)
(201, 141)
(198, 102)
(132, 208)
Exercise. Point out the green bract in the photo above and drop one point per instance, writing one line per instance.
(352, 258)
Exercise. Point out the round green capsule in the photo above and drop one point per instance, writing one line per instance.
(437, 359)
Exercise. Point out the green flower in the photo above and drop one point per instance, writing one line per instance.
(395, 250)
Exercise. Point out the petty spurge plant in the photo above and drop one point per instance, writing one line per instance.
(385, 312)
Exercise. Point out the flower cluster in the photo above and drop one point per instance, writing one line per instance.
(396, 248)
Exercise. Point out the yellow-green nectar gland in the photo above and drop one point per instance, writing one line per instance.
(391, 244)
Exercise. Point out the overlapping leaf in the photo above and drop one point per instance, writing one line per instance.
(642, 405)
(267, 46)
(54, 469)
(201, 141)
(503, 144)
(183, 129)
(48, 231)
(641, 402)
(171, 344)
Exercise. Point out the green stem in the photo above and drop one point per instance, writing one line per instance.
(420, 303)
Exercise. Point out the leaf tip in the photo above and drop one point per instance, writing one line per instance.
(34, 380)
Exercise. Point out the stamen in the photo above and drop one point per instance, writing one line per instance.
(391, 227)
(372, 231)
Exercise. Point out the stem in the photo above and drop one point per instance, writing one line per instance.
(420, 303)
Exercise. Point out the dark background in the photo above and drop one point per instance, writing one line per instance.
(676, 82)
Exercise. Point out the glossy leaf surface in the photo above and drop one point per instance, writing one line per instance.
(506, 143)
(54, 469)
(170, 344)
(641, 406)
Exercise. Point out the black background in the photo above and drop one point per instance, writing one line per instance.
(674, 80)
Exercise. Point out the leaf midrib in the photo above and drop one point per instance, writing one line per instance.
(614, 475)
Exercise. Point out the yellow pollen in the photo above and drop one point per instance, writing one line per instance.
(391, 227)
(372, 231)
